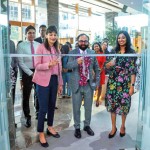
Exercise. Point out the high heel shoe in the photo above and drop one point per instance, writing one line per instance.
(51, 134)
(123, 134)
(112, 135)
(44, 144)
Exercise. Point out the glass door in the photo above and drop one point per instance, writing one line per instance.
(143, 131)
(4, 69)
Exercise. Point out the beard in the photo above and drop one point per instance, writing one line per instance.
(83, 47)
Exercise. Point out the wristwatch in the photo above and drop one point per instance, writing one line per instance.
(132, 84)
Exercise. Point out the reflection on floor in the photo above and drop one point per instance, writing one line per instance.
(25, 137)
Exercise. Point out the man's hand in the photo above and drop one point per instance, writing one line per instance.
(80, 60)
(64, 70)
(32, 74)
(21, 84)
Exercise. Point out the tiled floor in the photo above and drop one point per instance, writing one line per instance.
(25, 137)
(101, 124)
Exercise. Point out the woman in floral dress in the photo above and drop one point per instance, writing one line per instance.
(121, 81)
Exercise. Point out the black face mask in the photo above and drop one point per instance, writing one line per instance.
(83, 48)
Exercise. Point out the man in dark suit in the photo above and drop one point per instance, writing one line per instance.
(42, 31)
(84, 79)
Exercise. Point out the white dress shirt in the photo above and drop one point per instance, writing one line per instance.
(42, 40)
(26, 63)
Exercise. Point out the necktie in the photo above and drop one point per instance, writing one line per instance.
(32, 50)
(83, 64)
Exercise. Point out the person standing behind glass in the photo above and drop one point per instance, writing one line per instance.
(121, 81)
(65, 72)
(69, 44)
(42, 31)
(48, 79)
(101, 60)
(13, 69)
(27, 66)
(104, 46)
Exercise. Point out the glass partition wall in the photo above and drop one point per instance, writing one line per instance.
(7, 132)
(143, 132)
(73, 23)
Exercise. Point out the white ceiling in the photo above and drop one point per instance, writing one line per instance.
(97, 6)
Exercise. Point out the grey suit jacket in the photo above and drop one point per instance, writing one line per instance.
(75, 77)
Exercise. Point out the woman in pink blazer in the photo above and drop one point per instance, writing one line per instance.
(49, 81)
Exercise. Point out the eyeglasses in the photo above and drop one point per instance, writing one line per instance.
(86, 42)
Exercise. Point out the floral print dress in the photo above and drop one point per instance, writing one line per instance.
(117, 98)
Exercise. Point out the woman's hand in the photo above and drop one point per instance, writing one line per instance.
(60, 89)
(111, 63)
(108, 65)
(131, 90)
(53, 63)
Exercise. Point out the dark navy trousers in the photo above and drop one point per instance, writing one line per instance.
(47, 99)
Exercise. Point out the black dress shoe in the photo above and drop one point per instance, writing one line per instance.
(44, 144)
(122, 134)
(56, 107)
(89, 130)
(28, 122)
(77, 133)
(54, 135)
(112, 135)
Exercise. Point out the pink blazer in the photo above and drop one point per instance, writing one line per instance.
(42, 74)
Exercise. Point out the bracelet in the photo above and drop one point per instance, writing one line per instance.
(132, 84)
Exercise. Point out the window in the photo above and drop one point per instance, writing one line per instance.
(13, 8)
(65, 16)
(26, 12)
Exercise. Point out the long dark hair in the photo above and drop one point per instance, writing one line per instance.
(51, 29)
(96, 43)
(128, 48)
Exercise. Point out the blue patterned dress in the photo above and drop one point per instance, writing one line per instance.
(117, 98)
